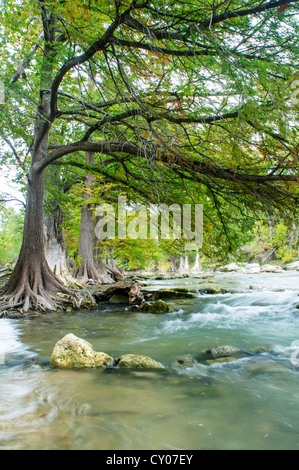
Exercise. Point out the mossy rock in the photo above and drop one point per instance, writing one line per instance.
(88, 304)
(212, 290)
(259, 350)
(74, 352)
(134, 361)
(221, 351)
(168, 294)
(159, 306)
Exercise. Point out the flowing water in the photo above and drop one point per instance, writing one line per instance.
(250, 403)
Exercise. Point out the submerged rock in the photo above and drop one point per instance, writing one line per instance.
(74, 352)
(156, 307)
(252, 268)
(265, 367)
(255, 287)
(134, 361)
(183, 362)
(217, 360)
(221, 351)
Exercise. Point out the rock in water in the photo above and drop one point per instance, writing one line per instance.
(170, 294)
(129, 290)
(221, 351)
(133, 361)
(183, 362)
(156, 307)
(74, 352)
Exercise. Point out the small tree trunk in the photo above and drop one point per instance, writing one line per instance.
(88, 269)
(181, 268)
(55, 248)
(197, 267)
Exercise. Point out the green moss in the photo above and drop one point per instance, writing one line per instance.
(133, 361)
(159, 306)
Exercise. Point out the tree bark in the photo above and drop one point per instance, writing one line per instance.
(32, 284)
(88, 270)
(55, 248)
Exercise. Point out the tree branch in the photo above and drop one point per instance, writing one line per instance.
(109, 147)
(241, 13)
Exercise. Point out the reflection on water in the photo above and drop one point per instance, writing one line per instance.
(251, 403)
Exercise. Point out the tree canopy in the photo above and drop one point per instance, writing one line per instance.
(178, 101)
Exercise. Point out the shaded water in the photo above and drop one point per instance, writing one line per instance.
(251, 403)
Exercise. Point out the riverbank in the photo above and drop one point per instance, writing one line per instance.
(144, 277)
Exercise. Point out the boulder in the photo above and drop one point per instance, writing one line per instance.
(159, 306)
(130, 290)
(168, 294)
(252, 268)
(270, 268)
(134, 361)
(74, 352)
(221, 351)
(88, 304)
(229, 268)
(212, 290)
(293, 266)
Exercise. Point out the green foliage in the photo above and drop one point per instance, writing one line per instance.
(277, 237)
(11, 232)
(199, 89)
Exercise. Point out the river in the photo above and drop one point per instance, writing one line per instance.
(248, 404)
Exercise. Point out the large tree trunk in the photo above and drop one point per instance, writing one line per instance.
(32, 284)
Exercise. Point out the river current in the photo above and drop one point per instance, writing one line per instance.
(250, 403)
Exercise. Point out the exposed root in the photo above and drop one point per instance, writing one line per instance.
(36, 288)
(89, 271)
